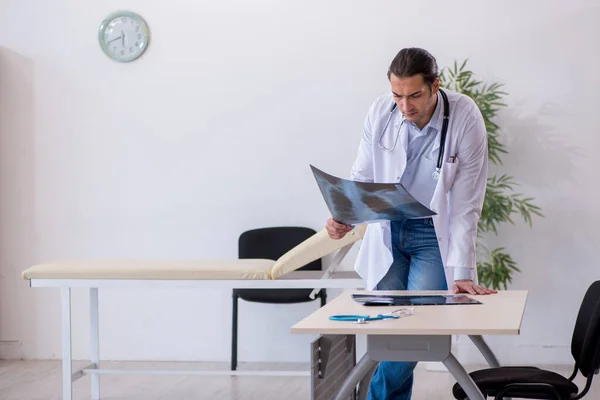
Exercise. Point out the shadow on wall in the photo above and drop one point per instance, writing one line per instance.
(547, 162)
(17, 243)
(547, 158)
(538, 156)
(552, 153)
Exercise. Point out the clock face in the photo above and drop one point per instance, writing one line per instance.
(123, 36)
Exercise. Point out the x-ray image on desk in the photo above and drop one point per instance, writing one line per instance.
(351, 202)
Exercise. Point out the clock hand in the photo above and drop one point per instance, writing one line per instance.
(112, 40)
(122, 38)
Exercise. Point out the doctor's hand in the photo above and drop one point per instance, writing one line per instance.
(335, 230)
(468, 286)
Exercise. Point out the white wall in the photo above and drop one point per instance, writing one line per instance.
(211, 133)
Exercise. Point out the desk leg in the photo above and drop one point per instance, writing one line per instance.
(463, 378)
(422, 348)
(361, 369)
(67, 367)
(485, 350)
(94, 342)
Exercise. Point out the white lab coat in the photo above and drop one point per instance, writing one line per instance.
(458, 196)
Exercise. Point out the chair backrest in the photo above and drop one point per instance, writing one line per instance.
(273, 242)
(585, 344)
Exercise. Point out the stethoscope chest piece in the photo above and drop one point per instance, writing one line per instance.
(436, 174)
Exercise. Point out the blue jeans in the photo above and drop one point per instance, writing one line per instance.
(417, 265)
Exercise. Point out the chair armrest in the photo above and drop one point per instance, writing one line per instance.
(313, 248)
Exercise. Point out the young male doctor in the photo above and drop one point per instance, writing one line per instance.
(403, 141)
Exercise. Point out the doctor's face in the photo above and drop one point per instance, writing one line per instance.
(414, 98)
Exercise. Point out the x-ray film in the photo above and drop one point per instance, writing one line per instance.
(352, 202)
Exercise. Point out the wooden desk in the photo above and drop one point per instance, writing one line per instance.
(424, 336)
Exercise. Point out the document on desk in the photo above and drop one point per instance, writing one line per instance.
(352, 202)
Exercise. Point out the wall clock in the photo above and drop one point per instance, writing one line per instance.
(123, 36)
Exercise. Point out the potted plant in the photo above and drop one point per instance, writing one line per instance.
(495, 267)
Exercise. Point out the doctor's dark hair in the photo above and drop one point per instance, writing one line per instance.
(413, 61)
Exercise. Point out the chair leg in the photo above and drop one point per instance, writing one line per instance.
(323, 297)
(234, 329)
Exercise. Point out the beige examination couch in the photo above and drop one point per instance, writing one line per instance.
(96, 274)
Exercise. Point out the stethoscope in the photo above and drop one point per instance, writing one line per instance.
(436, 173)
(363, 319)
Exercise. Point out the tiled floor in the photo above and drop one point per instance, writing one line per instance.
(41, 380)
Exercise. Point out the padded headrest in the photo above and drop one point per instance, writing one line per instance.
(317, 246)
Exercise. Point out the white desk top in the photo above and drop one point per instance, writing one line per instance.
(500, 314)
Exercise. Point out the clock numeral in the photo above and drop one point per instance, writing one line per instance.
(137, 44)
(137, 28)
(131, 49)
(114, 48)
(122, 52)
(139, 36)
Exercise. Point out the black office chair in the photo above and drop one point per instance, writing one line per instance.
(271, 243)
(535, 383)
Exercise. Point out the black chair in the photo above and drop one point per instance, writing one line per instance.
(536, 383)
(271, 243)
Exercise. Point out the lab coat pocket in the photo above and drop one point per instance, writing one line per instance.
(448, 174)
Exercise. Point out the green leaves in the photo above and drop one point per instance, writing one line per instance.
(497, 271)
(525, 208)
(497, 205)
(501, 201)
(488, 98)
